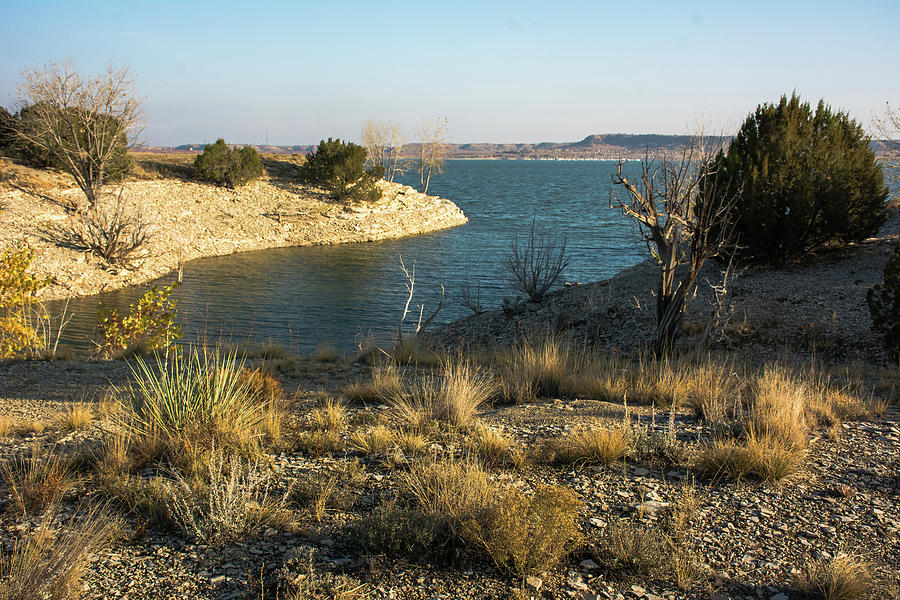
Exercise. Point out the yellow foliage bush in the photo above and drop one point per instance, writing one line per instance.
(18, 289)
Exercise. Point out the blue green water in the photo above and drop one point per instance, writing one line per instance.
(303, 297)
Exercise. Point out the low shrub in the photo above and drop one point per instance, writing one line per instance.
(455, 509)
(627, 549)
(18, 290)
(237, 500)
(884, 305)
(232, 167)
(110, 229)
(339, 168)
(527, 534)
(150, 325)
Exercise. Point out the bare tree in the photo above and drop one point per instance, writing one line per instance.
(535, 265)
(80, 122)
(887, 125)
(682, 221)
(432, 150)
(384, 140)
(421, 324)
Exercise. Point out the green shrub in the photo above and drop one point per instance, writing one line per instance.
(884, 304)
(339, 167)
(228, 166)
(149, 325)
(807, 179)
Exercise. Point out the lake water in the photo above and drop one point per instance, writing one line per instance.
(304, 297)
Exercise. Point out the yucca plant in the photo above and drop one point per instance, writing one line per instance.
(195, 393)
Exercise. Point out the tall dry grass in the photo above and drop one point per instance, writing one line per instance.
(453, 397)
(49, 562)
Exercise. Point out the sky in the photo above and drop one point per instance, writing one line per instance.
(294, 72)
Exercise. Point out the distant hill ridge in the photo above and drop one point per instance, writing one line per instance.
(596, 146)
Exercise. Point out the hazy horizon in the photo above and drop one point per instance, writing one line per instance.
(501, 72)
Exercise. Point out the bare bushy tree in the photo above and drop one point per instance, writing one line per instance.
(682, 222)
(533, 266)
(887, 126)
(384, 140)
(432, 150)
(110, 229)
(78, 121)
(470, 297)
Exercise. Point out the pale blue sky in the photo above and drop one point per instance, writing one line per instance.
(513, 71)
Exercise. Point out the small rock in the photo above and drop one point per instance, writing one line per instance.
(534, 583)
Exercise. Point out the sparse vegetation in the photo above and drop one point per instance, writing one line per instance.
(38, 479)
(48, 562)
(534, 265)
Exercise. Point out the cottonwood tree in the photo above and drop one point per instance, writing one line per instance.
(682, 221)
(78, 122)
(383, 140)
(432, 150)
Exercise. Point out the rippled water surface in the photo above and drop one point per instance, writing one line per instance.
(335, 294)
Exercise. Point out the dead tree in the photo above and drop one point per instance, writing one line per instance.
(683, 222)
(421, 324)
(80, 122)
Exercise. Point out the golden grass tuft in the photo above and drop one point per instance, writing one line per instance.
(326, 353)
(454, 397)
(39, 479)
(331, 415)
(843, 577)
(493, 447)
(386, 383)
(604, 445)
(49, 562)
(375, 440)
(77, 416)
(762, 456)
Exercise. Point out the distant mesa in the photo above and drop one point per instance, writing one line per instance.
(595, 146)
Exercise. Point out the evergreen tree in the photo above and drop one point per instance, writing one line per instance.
(226, 166)
(339, 167)
(807, 179)
(884, 304)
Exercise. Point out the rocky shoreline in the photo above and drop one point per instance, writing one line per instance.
(191, 220)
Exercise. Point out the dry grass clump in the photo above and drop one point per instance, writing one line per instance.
(77, 416)
(320, 442)
(331, 415)
(454, 397)
(843, 577)
(374, 440)
(493, 447)
(298, 579)
(411, 443)
(597, 445)
(386, 383)
(527, 371)
(336, 489)
(326, 353)
(236, 500)
(38, 479)
(626, 549)
(48, 563)
(762, 456)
